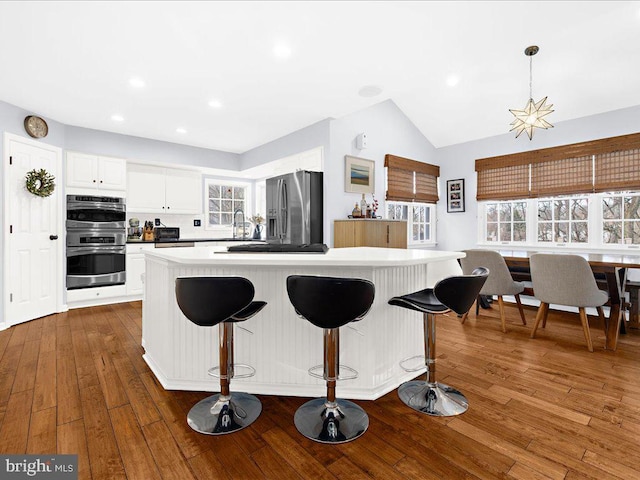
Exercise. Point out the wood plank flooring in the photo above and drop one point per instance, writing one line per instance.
(542, 408)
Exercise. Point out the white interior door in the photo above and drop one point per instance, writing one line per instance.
(33, 275)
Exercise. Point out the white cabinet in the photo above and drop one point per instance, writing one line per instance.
(153, 189)
(95, 172)
(135, 268)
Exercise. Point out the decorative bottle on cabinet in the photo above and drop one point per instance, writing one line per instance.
(363, 206)
(356, 212)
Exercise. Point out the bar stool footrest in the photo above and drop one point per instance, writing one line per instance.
(413, 369)
(318, 372)
(240, 370)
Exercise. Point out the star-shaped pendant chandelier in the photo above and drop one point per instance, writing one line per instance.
(532, 116)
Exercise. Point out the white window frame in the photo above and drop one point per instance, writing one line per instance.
(595, 224)
(432, 221)
(227, 183)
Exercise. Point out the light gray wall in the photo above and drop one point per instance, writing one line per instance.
(313, 136)
(97, 142)
(388, 131)
(457, 231)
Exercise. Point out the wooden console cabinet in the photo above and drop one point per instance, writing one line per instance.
(370, 233)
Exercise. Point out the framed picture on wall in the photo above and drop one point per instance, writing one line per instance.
(359, 175)
(455, 195)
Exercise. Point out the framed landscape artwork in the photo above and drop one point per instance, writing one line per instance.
(359, 175)
(455, 195)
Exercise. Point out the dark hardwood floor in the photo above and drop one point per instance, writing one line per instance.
(539, 408)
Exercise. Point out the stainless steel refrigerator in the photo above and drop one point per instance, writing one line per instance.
(294, 208)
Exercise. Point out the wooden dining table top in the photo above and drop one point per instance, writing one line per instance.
(594, 259)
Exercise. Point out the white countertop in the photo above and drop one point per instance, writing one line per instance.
(356, 256)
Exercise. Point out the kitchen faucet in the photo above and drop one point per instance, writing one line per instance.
(235, 224)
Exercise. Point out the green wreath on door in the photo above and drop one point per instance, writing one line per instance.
(40, 182)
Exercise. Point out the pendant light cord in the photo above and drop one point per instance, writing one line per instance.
(531, 77)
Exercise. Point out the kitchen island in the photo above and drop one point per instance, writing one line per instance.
(281, 345)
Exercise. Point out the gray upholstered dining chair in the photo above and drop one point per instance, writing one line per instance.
(499, 282)
(565, 280)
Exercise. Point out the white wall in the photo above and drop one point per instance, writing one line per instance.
(388, 131)
(458, 231)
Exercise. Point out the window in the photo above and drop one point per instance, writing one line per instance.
(621, 219)
(613, 220)
(420, 219)
(563, 220)
(223, 199)
(506, 221)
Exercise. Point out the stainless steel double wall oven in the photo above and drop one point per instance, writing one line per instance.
(96, 241)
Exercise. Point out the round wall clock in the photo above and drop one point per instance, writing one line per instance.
(36, 126)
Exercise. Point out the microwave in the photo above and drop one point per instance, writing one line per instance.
(166, 234)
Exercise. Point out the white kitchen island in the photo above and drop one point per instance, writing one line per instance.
(282, 346)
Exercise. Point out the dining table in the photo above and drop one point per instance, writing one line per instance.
(610, 268)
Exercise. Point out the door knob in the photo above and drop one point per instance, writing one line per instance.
(53, 237)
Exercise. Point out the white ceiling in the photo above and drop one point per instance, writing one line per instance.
(72, 62)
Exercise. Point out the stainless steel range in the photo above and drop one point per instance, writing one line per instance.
(96, 241)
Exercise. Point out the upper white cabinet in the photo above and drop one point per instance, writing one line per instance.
(95, 172)
(153, 189)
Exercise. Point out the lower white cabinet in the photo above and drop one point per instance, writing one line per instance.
(135, 268)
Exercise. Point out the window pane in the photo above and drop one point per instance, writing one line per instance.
(505, 212)
(238, 192)
(612, 232)
(416, 214)
(579, 209)
(632, 233)
(562, 232)
(416, 232)
(579, 232)
(492, 212)
(519, 212)
(611, 208)
(544, 210)
(561, 209)
(214, 205)
(505, 232)
(427, 215)
(214, 219)
(238, 205)
(631, 207)
(519, 232)
(427, 232)
(214, 191)
(391, 209)
(227, 192)
(225, 219)
(404, 212)
(545, 232)
(492, 232)
(226, 206)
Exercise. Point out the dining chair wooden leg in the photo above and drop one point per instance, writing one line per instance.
(585, 327)
(545, 315)
(524, 320)
(603, 320)
(503, 320)
(464, 317)
(539, 316)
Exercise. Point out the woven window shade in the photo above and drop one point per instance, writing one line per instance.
(562, 177)
(618, 170)
(503, 183)
(401, 173)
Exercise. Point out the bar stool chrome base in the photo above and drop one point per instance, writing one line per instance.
(218, 416)
(322, 422)
(435, 399)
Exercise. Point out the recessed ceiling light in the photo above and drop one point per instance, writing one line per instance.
(281, 50)
(136, 82)
(453, 80)
(370, 91)
(215, 104)
(117, 118)
(181, 130)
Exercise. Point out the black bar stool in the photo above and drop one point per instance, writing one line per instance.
(455, 293)
(222, 301)
(330, 303)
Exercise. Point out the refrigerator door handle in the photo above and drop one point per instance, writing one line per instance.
(285, 208)
(278, 229)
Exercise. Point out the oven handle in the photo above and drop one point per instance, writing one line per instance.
(77, 251)
(117, 207)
